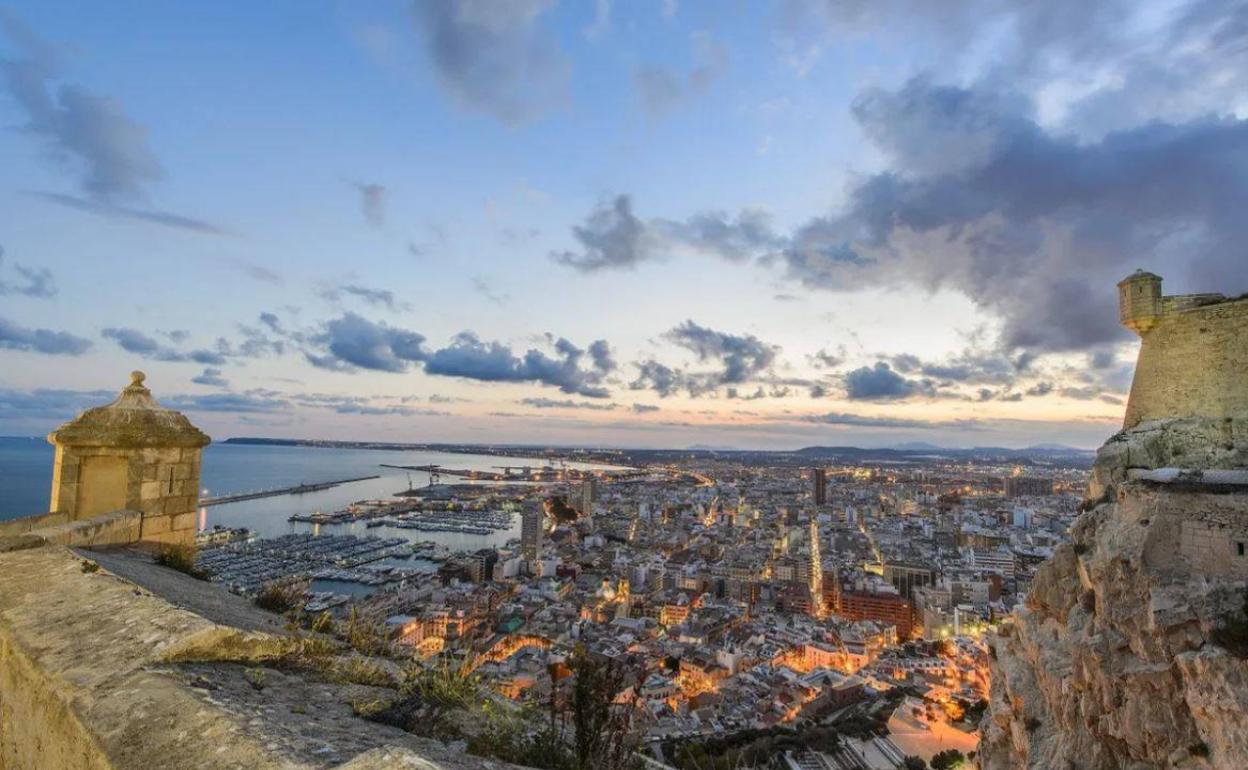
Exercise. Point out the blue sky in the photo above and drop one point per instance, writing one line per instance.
(664, 223)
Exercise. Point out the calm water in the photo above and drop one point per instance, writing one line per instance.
(26, 477)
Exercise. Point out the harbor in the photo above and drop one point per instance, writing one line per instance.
(298, 489)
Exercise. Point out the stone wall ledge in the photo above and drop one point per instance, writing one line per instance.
(90, 680)
(116, 528)
(1192, 476)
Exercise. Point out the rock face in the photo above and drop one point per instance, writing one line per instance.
(1131, 650)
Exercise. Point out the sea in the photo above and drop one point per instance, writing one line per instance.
(26, 480)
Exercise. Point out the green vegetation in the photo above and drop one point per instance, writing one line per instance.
(181, 558)
(949, 759)
(914, 763)
(89, 567)
(280, 598)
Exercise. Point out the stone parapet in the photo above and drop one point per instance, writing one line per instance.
(92, 678)
(116, 528)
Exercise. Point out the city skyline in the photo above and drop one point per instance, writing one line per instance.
(652, 224)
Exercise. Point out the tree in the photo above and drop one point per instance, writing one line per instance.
(949, 759)
(604, 736)
(914, 763)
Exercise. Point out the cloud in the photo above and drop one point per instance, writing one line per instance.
(34, 282)
(865, 421)
(467, 356)
(354, 341)
(237, 403)
(212, 378)
(151, 216)
(373, 202)
(644, 408)
(881, 383)
(87, 131)
(483, 287)
(49, 403)
(826, 360)
(375, 297)
(550, 403)
(1102, 66)
(493, 56)
(16, 337)
(663, 89)
(613, 237)
(135, 341)
(1034, 226)
(742, 356)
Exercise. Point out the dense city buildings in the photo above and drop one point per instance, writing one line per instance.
(737, 596)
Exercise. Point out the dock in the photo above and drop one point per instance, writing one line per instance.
(298, 489)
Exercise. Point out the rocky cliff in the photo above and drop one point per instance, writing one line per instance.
(1131, 650)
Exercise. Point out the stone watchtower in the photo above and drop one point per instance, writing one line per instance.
(1193, 353)
(1139, 301)
(132, 454)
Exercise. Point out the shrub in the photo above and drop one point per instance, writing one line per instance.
(279, 598)
(1232, 634)
(949, 759)
(1198, 749)
(181, 557)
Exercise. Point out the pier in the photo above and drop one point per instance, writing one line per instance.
(299, 489)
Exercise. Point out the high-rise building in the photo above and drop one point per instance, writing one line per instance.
(588, 494)
(532, 529)
(816, 570)
(1027, 486)
(819, 477)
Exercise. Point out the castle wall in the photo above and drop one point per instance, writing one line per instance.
(1191, 365)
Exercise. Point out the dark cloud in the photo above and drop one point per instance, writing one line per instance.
(13, 336)
(1034, 226)
(741, 359)
(612, 237)
(882, 383)
(354, 341)
(135, 341)
(826, 360)
(742, 356)
(373, 199)
(615, 237)
(32, 282)
(467, 356)
(550, 403)
(211, 377)
(644, 408)
(663, 89)
(493, 55)
(662, 379)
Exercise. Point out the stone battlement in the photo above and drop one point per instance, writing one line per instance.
(1193, 353)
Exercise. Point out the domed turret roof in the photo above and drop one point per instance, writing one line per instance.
(1140, 275)
(133, 420)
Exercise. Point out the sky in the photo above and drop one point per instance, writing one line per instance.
(654, 223)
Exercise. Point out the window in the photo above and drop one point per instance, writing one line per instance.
(1239, 548)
